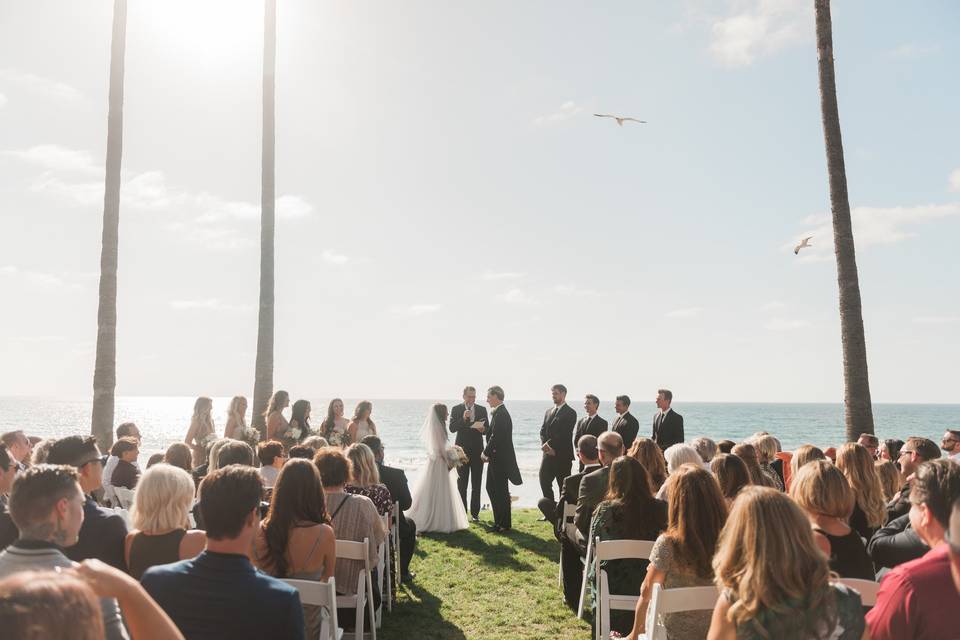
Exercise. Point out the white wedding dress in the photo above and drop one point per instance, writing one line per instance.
(436, 502)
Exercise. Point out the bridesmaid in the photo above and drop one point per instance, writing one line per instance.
(361, 425)
(277, 425)
(299, 419)
(201, 429)
(236, 418)
(334, 427)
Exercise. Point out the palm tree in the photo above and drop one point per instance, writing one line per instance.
(105, 370)
(856, 393)
(263, 374)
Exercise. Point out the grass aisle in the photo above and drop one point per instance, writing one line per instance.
(478, 585)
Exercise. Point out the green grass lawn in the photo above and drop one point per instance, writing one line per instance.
(476, 584)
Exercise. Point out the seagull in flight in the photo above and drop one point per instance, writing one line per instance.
(620, 119)
(803, 245)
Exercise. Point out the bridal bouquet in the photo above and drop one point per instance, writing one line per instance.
(456, 457)
(250, 435)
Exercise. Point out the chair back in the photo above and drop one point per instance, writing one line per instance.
(320, 594)
(124, 496)
(583, 582)
(606, 601)
(674, 600)
(566, 525)
(866, 588)
(352, 550)
(621, 549)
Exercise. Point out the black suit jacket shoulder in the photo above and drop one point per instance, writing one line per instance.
(102, 536)
(557, 431)
(593, 486)
(671, 429)
(396, 481)
(597, 427)
(471, 440)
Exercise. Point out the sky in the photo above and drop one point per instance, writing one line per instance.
(451, 212)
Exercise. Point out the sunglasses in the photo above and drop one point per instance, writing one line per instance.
(904, 452)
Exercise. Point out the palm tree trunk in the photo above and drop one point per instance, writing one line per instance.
(105, 370)
(263, 379)
(856, 395)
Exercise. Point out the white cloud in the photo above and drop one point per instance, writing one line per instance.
(331, 257)
(47, 87)
(910, 50)
(516, 296)
(936, 320)
(501, 275)
(208, 304)
(36, 278)
(689, 312)
(57, 158)
(289, 207)
(785, 324)
(954, 180)
(566, 111)
(415, 310)
(758, 28)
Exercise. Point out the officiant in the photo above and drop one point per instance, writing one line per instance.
(469, 422)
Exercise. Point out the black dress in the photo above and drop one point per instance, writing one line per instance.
(848, 556)
(858, 522)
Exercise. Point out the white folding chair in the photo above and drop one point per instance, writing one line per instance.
(124, 496)
(866, 588)
(583, 583)
(321, 594)
(383, 576)
(123, 513)
(673, 600)
(350, 550)
(569, 511)
(395, 536)
(606, 601)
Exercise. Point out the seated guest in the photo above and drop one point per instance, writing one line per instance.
(103, 531)
(353, 517)
(161, 533)
(952, 537)
(19, 447)
(871, 443)
(889, 479)
(914, 452)
(295, 540)
(315, 442)
(47, 504)
(732, 475)
(784, 459)
(234, 452)
(125, 430)
(803, 455)
(8, 471)
(593, 486)
(831, 454)
(895, 543)
(365, 478)
(681, 555)
(726, 446)
(179, 455)
(40, 451)
(821, 490)
(301, 451)
(707, 449)
(782, 588)
(396, 482)
(154, 459)
(210, 463)
(125, 473)
(628, 512)
(678, 455)
(766, 447)
(950, 443)
(917, 599)
(219, 594)
(272, 456)
(890, 449)
(650, 455)
(748, 453)
(869, 508)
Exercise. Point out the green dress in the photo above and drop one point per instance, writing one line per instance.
(850, 621)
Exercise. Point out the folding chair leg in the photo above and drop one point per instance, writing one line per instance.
(373, 623)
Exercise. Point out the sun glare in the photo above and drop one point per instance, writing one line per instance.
(209, 31)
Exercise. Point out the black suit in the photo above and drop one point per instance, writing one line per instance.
(557, 431)
(101, 536)
(396, 481)
(667, 429)
(570, 552)
(628, 427)
(503, 465)
(472, 443)
(587, 425)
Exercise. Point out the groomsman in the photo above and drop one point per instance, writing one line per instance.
(667, 423)
(471, 440)
(626, 425)
(503, 460)
(556, 438)
(591, 423)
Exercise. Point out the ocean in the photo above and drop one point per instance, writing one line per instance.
(164, 420)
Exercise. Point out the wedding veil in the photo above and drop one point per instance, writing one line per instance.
(434, 435)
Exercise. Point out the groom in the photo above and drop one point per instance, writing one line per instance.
(503, 460)
(470, 439)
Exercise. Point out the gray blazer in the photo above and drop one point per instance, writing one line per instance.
(593, 487)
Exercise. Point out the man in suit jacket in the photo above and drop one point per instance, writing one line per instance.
(502, 458)
(471, 440)
(591, 423)
(396, 482)
(667, 423)
(626, 425)
(556, 442)
(593, 486)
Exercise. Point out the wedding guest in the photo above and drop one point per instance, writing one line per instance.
(871, 443)
(161, 533)
(277, 425)
(272, 457)
(895, 543)
(154, 459)
(125, 430)
(707, 449)
(219, 594)
(676, 456)
(462, 418)
(8, 471)
(782, 588)
(334, 426)
(396, 481)
(18, 447)
(296, 540)
(315, 442)
(593, 486)
(234, 452)
(748, 453)
(103, 530)
(626, 425)
(365, 478)
(125, 473)
(301, 451)
(918, 599)
(732, 475)
(784, 458)
(201, 430)
(178, 455)
(362, 425)
(890, 449)
(952, 538)
(650, 456)
(299, 423)
(726, 446)
(681, 555)
(628, 512)
(556, 443)
(236, 418)
(571, 551)
(889, 478)
(40, 451)
(211, 461)
(667, 423)
(869, 508)
(915, 451)
(766, 448)
(803, 455)
(591, 423)
(822, 491)
(950, 443)
(47, 505)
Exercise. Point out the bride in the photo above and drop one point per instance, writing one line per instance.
(436, 502)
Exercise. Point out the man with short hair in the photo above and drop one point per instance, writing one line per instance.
(869, 442)
(219, 594)
(914, 452)
(125, 430)
(950, 443)
(8, 471)
(593, 486)
(916, 599)
(626, 425)
(396, 481)
(667, 423)
(591, 423)
(46, 503)
(556, 443)
(502, 457)
(18, 447)
(470, 438)
(104, 531)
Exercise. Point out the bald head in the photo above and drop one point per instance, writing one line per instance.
(611, 447)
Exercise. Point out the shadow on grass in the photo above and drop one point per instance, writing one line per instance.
(421, 612)
(499, 555)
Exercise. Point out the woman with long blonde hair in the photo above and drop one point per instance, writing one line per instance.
(648, 453)
(869, 509)
(236, 418)
(361, 425)
(782, 587)
(889, 478)
(365, 478)
(804, 454)
(201, 429)
(277, 425)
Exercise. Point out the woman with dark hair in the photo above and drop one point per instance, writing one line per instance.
(748, 453)
(334, 426)
(178, 454)
(890, 450)
(732, 475)
(726, 446)
(277, 425)
(362, 426)
(649, 454)
(299, 423)
(628, 512)
(296, 540)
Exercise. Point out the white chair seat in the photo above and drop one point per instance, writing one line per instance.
(675, 600)
(321, 594)
(866, 588)
(351, 550)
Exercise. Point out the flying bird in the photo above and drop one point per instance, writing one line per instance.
(620, 119)
(803, 245)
